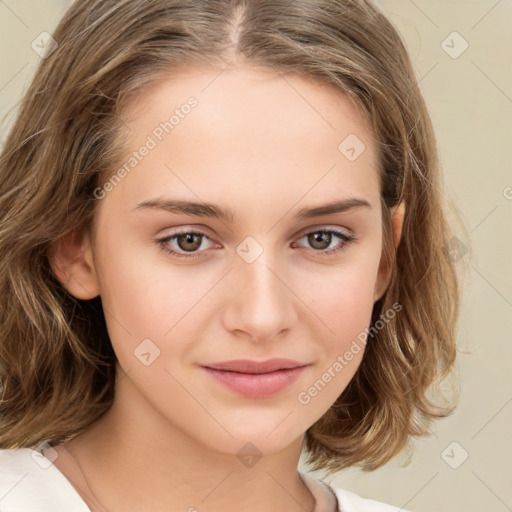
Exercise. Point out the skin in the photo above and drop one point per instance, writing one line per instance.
(264, 146)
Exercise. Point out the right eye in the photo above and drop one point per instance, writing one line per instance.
(183, 242)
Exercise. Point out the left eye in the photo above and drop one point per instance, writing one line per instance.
(322, 239)
(191, 242)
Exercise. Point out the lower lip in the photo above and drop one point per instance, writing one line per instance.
(257, 385)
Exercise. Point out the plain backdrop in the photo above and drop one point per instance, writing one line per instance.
(462, 53)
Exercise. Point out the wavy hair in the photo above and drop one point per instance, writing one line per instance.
(57, 365)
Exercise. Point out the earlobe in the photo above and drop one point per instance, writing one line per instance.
(384, 273)
(73, 265)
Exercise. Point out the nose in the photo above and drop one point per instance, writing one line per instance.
(260, 303)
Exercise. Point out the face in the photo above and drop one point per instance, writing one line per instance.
(264, 265)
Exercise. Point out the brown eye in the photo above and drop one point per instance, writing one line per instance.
(327, 241)
(186, 244)
(189, 241)
(320, 240)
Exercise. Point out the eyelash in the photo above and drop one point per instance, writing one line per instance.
(164, 242)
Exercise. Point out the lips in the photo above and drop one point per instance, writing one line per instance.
(255, 367)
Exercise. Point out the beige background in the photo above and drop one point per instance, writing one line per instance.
(470, 100)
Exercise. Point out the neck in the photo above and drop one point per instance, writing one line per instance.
(134, 459)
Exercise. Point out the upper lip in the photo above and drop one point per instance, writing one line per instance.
(248, 366)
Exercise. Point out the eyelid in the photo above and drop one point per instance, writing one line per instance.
(189, 232)
(325, 227)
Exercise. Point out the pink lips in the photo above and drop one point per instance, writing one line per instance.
(256, 379)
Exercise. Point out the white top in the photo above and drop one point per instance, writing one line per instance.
(29, 482)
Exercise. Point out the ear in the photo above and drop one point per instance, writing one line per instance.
(384, 273)
(71, 260)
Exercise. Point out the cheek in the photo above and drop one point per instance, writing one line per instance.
(145, 298)
(343, 307)
(343, 297)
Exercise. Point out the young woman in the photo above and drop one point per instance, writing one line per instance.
(222, 241)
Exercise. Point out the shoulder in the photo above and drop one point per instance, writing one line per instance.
(29, 482)
(351, 502)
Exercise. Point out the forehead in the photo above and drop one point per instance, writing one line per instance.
(249, 132)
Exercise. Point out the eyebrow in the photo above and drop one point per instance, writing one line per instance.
(215, 211)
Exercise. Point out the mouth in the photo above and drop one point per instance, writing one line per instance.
(256, 367)
(256, 382)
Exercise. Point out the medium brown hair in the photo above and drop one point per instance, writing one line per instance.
(57, 365)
